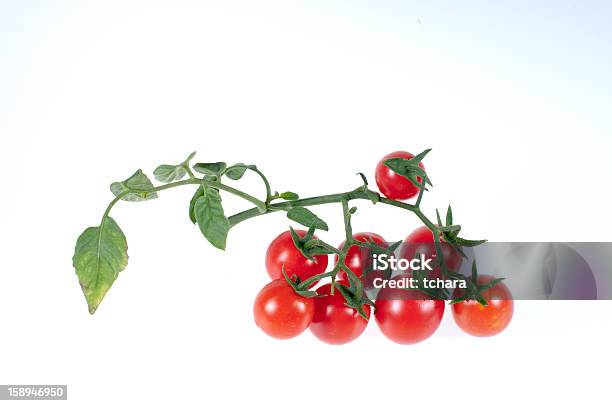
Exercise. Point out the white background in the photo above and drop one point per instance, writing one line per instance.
(514, 98)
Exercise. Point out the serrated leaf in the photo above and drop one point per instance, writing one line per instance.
(289, 196)
(210, 168)
(198, 193)
(139, 183)
(235, 172)
(169, 173)
(100, 254)
(211, 218)
(306, 218)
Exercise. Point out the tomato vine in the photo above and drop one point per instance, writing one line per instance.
(101, 251)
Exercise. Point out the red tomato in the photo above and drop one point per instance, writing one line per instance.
(333, 321)
(485, 321)
(391, 184)
(280, 312)
(407, 317)
(358, 258)
(282, 250)
(421, 241)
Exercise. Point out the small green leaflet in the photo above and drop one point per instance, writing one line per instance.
(289, 196)
(140, 183)
(210, 217)
(235, 172)
(169, 173)
(306, 218)
(100, 254)
(210, 168)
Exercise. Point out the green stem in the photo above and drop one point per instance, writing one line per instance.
(348, 229)
(111, 204)
(195, 181)
(326, 199)
(263, 178)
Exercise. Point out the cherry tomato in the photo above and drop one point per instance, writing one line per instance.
(421, 241)
(280, 312)
(392, 185)
(333, 321)
(282, 251)
(358, 259)
(407, 317)
(485, 321)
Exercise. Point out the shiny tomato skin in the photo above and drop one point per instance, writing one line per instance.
(333, 321)
(392, 185)
(280, 312)
(421, 241)
(282, 250)
(358, 258)
(485, 321)
(407, 317)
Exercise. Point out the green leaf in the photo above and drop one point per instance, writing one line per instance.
(100, 254)
(198, 193)
(139, 183)
(449, 216)
(289, 196)
(236, 172)
(211, 218)
(169, 173)
(306, 218)
(210, 168)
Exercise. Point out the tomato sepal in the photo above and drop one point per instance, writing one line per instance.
(474, 290)
(296, 285)
(409, 168)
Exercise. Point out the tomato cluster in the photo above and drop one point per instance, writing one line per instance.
(403, 316)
